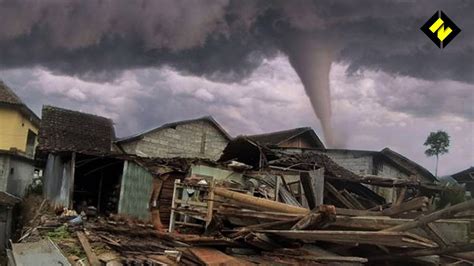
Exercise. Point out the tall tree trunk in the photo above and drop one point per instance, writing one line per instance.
(436, 169)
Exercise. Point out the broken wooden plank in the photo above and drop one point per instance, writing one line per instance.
(456, 231)
(428, 252)
(313, 186)
(401, 196)
(393, 239)
(414, 204)
(444, 213)
(352, 200)
(214, 257)
(435, 234)
(91, 256)
(261, 241)
(354, 212)
(316, 219)
(331, 189)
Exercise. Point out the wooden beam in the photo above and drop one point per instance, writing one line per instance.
(259, 203)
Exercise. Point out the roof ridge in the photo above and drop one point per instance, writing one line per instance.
(46, 106)
(209, 118)
(278, 132)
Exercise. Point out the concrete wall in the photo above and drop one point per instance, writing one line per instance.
(195, 139)
(21, 177)
(358, 163)
(363, 163)
(16, 174)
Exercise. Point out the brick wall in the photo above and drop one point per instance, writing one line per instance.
(195, 139)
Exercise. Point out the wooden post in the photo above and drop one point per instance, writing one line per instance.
(99, 195)
(277, 187)
(173, 207)
(71, 186)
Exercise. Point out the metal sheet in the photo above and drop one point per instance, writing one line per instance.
(135, 191)
(40, 253)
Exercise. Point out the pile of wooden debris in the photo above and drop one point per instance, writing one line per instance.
(269, 208)
(219, 225)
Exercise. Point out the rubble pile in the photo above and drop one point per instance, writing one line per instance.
(245, 229)
(268, 208)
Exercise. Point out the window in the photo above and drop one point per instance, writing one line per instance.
(30, 143)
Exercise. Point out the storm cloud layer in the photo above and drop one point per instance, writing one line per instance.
(226, 40)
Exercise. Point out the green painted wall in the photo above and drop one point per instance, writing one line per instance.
(135, 191)
(217, 173)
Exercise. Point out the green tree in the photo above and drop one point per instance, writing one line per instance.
(438, 143)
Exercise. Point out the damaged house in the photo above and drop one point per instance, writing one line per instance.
(466, 179)
(81, 171)
(386, 164)
(196, 138)
(18, 131)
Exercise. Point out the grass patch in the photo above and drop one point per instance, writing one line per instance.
(59, 233)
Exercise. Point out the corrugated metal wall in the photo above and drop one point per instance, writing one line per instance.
(135, 191)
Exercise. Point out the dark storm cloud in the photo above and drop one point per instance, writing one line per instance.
(227, 40)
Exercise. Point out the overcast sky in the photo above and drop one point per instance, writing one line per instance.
(390, 86)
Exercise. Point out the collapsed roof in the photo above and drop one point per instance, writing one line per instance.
(280, 137)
